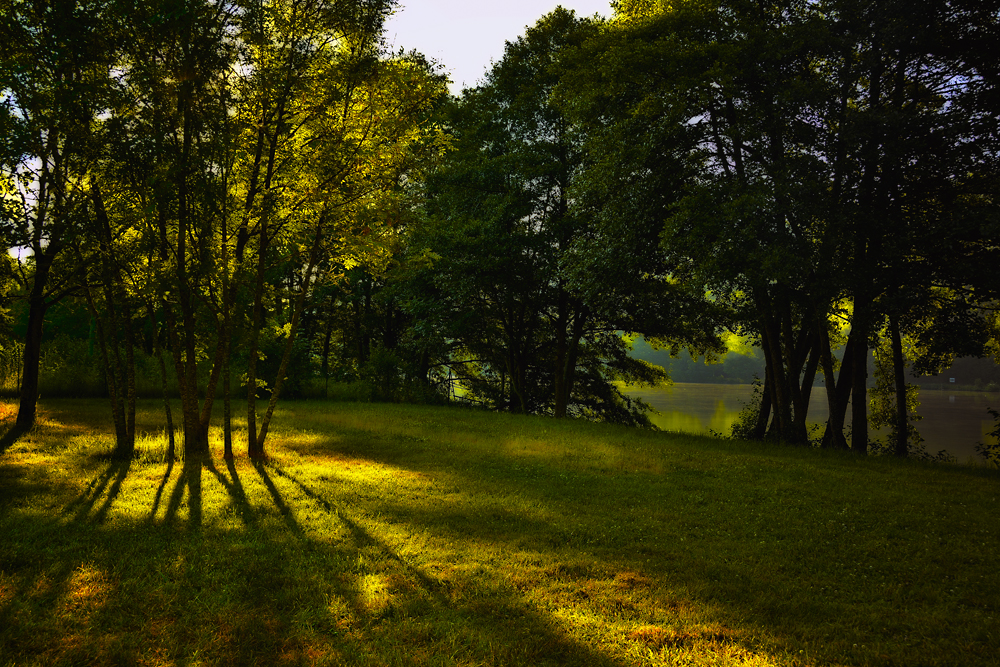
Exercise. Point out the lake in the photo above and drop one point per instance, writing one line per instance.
(952, 420)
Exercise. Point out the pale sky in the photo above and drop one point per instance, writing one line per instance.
(466, 35)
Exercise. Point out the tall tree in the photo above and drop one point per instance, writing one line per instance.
(54, 83)
(335, 124)
(721, 162)
(517, 250)
(798, 156)
(257, 140)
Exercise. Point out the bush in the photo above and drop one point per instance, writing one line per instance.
(746, 422)
(991, 450)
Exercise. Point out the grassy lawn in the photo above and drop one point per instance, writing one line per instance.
(412, 535)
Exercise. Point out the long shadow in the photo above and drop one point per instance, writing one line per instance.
(121, 469)
(159, 491)
(279, 501)
(361, 537)
(190, 478)
(81, 506)
(504, 620)
(482, 619)
(234, 487)
(10, 437)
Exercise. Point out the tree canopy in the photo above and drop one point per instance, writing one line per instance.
(207, 163)
(261, 192)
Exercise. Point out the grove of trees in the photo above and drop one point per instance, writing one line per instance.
(205, 165)
(261, 189)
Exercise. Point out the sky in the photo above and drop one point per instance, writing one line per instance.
(466, 35)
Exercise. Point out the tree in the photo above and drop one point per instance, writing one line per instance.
(347, 125)
(260, 139)
(768, 142)
(54, 84)
(720, 160)
(199, 156)
(509, 254)
(914, 146)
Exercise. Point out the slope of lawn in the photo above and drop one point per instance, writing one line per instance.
(412, 535)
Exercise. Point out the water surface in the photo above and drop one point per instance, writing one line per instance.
(952, 420)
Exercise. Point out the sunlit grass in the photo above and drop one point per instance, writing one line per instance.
(386, 534)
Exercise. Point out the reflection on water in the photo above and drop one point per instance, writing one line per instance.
(952, 420)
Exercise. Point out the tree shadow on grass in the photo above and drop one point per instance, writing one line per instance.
(278, 500)
(189, 480)
(234, 487)
(159, 490)
(10, 437)
(111, 478)
(267, 592)
(121, 470)
(504, 619)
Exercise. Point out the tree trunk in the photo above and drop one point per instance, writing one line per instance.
(793, 357)
(579, 322)
(902, 423)
(108, 361)
(837, 392)
(290, 343)
(32, 358)
(158, 351)
(120, 373)
(764, 413)
(183, 342)
(808, 377)
(780, 399)
(253, 450)
(859, 388)
(561, 351)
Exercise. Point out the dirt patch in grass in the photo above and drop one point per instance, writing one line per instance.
(629, 580)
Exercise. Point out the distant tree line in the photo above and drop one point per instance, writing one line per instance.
(261, 184)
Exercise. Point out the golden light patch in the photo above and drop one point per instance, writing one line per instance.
(8, 411)
(374, 594)
(336, 459)
(340, 612)
(403, 473)
(628, 580)
(399, 583)
(651, 635)
(310, 438)
(6, 589)
(87, 589)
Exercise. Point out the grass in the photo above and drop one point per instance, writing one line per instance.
(409, 535)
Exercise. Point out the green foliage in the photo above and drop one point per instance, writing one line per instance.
(746, 423)
(513, 282)
(882, 402)
(991, 450)
(285, 196)
(209, 165)
(793, 157)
